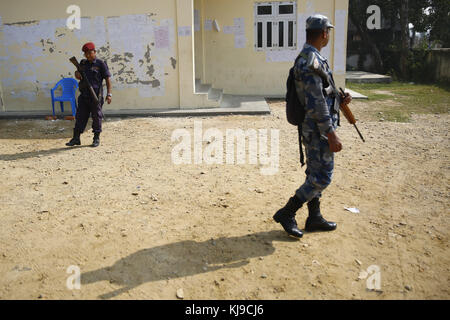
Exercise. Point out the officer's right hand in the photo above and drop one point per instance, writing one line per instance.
(334, 142)
(346, 99)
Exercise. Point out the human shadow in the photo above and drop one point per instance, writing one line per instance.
(38, 153)
(35, 129)
(184, 258)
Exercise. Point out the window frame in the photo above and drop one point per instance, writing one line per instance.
(275, 18)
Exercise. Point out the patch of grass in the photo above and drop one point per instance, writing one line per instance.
(393, 115)
(378, 96)
(408, 99)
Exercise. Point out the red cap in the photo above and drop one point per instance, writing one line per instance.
(88, 47)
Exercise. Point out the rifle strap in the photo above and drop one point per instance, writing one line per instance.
(302, 156)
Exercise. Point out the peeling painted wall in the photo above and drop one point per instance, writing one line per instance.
(140, 50)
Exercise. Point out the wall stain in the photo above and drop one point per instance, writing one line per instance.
(22, 23)
(48, 45)
(116, 58)
(173, 62)
(132, 81)
(122, 69)
(150, 70)
(147, 54)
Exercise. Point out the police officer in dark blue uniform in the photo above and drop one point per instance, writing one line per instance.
(96, 70)
(318, 129)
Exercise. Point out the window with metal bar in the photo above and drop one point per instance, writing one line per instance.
(275, 25)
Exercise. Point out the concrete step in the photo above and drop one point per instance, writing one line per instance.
(201, 88)
(215, 94)
(366, 77)
(229, 102)
(356, 95)
(257, 108)
(238, 101)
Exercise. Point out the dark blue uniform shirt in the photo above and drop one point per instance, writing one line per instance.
(95, 72)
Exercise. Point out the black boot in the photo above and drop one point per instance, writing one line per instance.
(96, 141)
(286, 217)
(75, 141)
(315, 221)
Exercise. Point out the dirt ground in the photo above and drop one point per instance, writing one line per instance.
(140, 227)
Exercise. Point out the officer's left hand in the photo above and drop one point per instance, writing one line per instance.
(108, 99)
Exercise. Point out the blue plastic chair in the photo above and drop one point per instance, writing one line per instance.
(69, 87)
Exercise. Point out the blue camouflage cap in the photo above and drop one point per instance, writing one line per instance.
(318, 21)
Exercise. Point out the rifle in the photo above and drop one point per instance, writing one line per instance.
(313, 65)
(84, 83)
(349, 115)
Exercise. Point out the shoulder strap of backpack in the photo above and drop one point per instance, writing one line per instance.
(302, 156)
(299, 127)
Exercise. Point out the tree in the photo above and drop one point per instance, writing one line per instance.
(438, 21)
(404, 39)
(395, 34)
(358, 16)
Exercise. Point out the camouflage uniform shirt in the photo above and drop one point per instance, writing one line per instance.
(321, 109)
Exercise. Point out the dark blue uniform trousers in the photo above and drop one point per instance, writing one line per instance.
(87, 107)
(319, 166)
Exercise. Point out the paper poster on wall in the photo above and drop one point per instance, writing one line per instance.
(239, 26)
(161, 37)
(240, 41)
(281, 55)
(196, 20)
(339, 41)
(208, 25)
(228, 29)
(184, 31)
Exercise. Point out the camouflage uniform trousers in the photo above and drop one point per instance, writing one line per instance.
(319, 166)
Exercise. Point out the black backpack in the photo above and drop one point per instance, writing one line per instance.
(295, 111)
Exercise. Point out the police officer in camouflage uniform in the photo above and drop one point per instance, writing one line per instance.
(318, 129)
